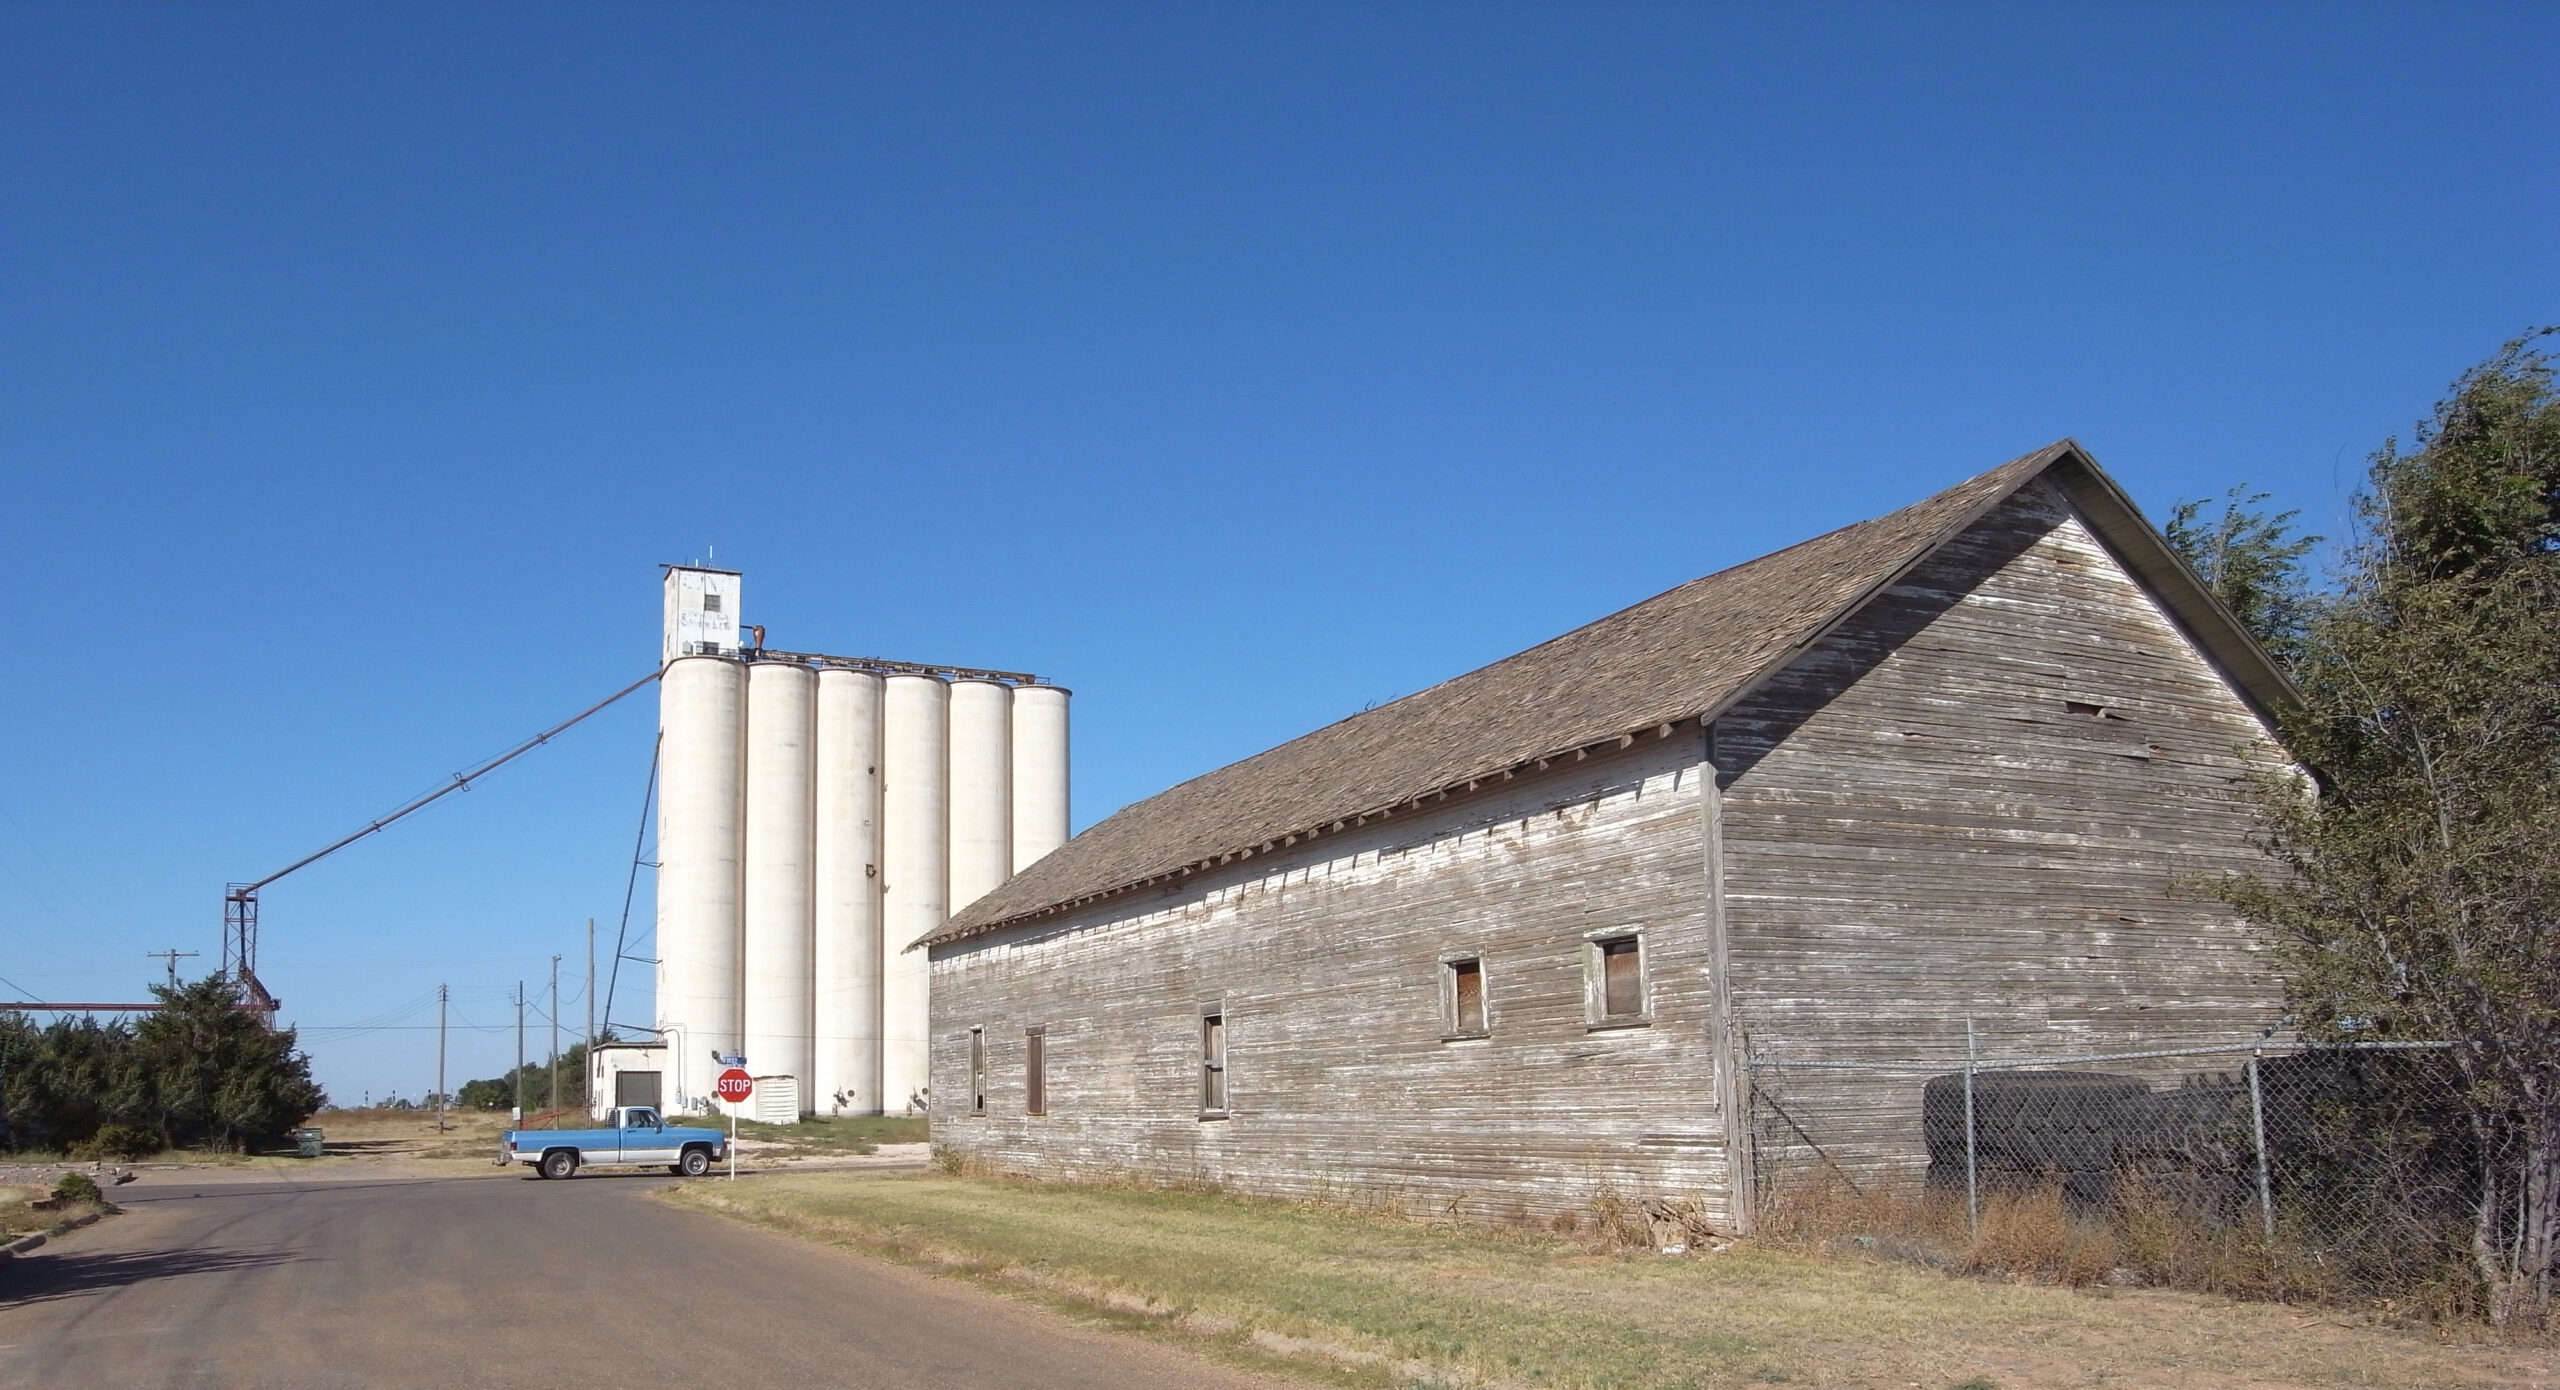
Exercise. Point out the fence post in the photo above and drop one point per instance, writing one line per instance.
(2258, 1131)
(1972, 1181)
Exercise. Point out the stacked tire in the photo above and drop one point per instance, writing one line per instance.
(2036, 1127)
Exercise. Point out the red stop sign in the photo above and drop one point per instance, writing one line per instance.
(734, 1086)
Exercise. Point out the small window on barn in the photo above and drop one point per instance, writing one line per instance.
(1462, 989)
(1213, 1063)
(1614, 979)
(710, 603)
(977, 1071)
(1035, 1072)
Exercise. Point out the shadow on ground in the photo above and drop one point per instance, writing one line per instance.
(45, 1278)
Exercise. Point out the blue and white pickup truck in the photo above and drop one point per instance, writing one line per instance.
(638, 1138)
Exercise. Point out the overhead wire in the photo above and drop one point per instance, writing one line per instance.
(36, 893)
(42, 858)
(399, 1012)
(343, 1031)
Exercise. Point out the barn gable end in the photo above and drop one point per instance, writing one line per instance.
(1992, 794)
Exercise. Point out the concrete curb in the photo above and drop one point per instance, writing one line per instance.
(24, 1244)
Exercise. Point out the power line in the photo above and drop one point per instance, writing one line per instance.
(301, 1028)
(38, 851)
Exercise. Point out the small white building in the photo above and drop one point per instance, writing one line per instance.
(627, 1073)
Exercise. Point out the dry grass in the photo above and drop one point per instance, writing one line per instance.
(381, 1133)
(850, 1135)
(2145, 1240)
(1358, 1296)
(16, 1217)
(21, 1216)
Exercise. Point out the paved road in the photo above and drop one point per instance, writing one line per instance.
(503, 1281)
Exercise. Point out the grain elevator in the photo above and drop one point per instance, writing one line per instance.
(816, 815)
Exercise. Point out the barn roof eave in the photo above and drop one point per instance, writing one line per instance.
(2103, 505)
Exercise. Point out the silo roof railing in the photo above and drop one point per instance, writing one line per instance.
(881, 666)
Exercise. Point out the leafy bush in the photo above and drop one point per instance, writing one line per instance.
(126, 1142)
(78, 1187)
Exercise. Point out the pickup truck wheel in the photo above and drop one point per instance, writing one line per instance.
(559, 1163)
(695, 1163)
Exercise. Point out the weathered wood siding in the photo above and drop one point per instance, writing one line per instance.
(1327, 962)
(1988, 794)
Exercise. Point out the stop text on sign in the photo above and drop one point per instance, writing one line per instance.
(734, 1086)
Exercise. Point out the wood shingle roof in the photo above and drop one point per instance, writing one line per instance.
(1681, 655)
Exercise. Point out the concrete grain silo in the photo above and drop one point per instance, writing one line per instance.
(915, 773)
(780, 865)
(847, 955)
(1039, 773)
(981, 789)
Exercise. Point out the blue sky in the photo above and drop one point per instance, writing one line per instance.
(1238, 365)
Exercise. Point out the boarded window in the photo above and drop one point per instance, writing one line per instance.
(1621, 977)
(977, 1071)
(1035, 1072)
(710, 603)
(1466, 998)
(1213, 1064)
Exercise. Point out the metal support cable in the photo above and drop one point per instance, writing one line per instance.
(631, 885)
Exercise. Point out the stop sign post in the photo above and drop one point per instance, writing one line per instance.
(733, 1087)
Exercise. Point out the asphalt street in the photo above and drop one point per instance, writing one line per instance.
(509, 1281)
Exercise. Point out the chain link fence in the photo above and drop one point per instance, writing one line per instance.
(2258, 1168)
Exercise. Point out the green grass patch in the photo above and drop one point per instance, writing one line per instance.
(1381, 1300)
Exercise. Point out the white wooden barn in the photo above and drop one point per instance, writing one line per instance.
(1504, 944)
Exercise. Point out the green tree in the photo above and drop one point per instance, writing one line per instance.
(201, 1070)
(2252, 562)
(67, 1079)
(489, 1094)
(2416, 895)
(214, 1073)
(531, 1082)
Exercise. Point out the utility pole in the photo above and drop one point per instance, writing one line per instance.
(591, 996)
(519, 1053)
(442, 993)
(172, 957)
(555, 1033)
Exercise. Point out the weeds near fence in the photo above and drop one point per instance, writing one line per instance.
(2144, 1241)
(2329, 1176)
